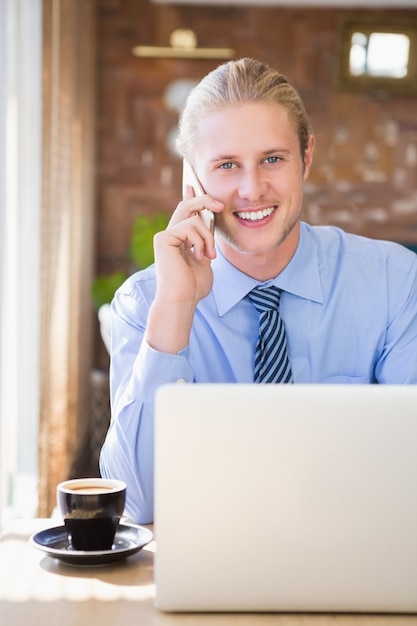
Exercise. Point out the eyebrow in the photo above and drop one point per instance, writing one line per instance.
(275, 150)
(265, 153)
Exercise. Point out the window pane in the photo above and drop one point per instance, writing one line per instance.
(388, 55)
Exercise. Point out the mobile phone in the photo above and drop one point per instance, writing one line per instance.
(189, 177)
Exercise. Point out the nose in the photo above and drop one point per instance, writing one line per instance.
(252, 184)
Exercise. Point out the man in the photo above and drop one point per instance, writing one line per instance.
(348, 304)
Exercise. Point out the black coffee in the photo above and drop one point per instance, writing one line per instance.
(91, 489)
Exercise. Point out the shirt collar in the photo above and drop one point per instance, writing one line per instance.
(300, 277)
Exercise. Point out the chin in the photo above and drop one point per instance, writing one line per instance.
(248, 248)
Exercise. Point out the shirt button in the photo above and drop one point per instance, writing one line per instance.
(181, 381)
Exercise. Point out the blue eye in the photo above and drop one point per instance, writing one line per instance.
(272, 159)
(226, 166)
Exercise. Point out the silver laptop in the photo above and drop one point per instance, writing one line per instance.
(286, 498)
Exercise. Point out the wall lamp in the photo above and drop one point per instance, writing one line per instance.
(183, 45)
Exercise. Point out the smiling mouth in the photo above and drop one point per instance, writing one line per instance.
(255, 216)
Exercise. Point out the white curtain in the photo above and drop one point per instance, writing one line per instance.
(20, 211)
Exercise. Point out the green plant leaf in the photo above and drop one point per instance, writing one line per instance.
(143, 231)
(140, 253)
(103, 288)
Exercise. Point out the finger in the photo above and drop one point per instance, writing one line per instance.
(203, 243)
(188, 192)
(192, 233)
(189, 207)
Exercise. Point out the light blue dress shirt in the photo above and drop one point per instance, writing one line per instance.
(349, 305)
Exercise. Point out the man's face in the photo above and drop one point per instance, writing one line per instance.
(248, 157)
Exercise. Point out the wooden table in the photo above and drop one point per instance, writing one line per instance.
(37, 590)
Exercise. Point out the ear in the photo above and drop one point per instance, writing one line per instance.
(308, 157)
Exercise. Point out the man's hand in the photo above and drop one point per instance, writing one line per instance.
(183, 255)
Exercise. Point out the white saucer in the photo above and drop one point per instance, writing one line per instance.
(128, 540)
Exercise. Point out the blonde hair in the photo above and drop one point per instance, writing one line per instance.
(238, 82)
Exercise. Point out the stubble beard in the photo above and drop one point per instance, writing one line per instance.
(225, 236)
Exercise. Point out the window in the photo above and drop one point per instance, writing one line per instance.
(379, 54)
(379, 57)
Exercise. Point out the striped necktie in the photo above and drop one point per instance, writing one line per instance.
(272, 364)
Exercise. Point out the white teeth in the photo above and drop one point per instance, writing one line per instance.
(255, 215)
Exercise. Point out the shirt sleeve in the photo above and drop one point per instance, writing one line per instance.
(398, 361)
(136, 372)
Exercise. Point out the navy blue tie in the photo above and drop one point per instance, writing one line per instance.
(272, 364)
